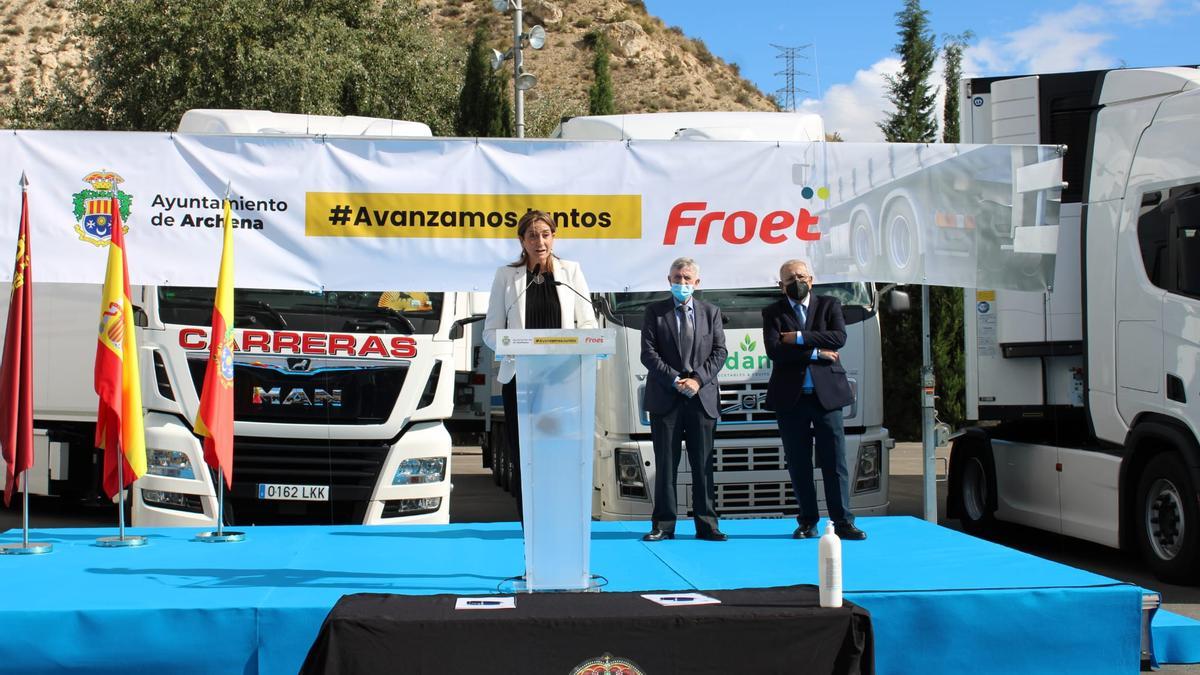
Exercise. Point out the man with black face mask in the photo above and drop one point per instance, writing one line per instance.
(807, 391)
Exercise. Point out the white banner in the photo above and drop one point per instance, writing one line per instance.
(362, 214)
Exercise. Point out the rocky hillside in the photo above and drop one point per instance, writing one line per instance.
(654, 67)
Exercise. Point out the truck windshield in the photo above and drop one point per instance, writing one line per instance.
(742, 307)
(399, 312)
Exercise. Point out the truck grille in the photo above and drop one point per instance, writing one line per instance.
(741, 403)
(750, 459)
(270, 390)
(755, 499)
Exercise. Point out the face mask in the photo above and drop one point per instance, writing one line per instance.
(681, 291)
(797, 290)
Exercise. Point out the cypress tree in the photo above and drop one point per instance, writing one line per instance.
(600, 94)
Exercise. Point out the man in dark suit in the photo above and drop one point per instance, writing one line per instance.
(683, 348)
(807, 391)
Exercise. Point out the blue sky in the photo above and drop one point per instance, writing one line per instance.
(853, 42)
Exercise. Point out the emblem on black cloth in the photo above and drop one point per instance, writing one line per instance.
(607, 664)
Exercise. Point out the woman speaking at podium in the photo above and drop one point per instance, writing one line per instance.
(539, 290)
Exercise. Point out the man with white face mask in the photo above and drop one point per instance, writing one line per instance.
(683, 349)
(808, 389)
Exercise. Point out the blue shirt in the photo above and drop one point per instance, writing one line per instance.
(801, 310)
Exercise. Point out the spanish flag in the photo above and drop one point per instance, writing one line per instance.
(215, 420)
(16, 367)
(119, 428)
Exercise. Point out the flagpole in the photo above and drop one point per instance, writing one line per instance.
(220, 536)
(120, 540)
(25, 547)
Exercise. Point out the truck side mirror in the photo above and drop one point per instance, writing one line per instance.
(456, 328)
(898, 302)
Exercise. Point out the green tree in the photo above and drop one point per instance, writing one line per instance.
(600, 94)
(909, 92)
(913, 121)
(151, 60)
(952, 52)
(483, 107)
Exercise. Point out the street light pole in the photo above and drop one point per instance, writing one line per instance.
(518, 93)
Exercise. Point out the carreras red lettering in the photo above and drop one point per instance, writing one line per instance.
(313, 343)
(256, 339)
(287, 340)
(404, 347)
(193, 338)
(775, 223)
(677, 220)
(340, 342)
(373, 345)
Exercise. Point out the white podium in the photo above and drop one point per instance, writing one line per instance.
(556, 420)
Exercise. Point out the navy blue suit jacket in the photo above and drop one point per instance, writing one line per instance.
(825, 329)
(660, 355)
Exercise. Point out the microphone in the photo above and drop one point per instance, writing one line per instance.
(572, 289)
(537, 279)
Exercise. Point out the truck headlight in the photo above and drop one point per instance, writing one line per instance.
(420, 471)
(631, 480)
(171, 463)
(866, 477)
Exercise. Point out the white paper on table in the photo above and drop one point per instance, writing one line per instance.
(681, 599)
(486, 603)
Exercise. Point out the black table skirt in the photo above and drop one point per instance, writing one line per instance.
(760, 630)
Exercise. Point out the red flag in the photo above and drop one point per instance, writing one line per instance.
(119, 429)
(215, 420)
(16, 368)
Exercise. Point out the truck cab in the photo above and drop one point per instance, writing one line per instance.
(1087, 394)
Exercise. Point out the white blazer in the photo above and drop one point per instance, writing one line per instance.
(506, 305)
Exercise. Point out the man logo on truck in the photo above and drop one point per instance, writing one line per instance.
(320, 398)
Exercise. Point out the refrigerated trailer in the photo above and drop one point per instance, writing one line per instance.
(1087, 396)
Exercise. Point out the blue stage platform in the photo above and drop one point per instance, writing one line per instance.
(941, 601)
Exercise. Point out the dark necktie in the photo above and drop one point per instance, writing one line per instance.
(686, 335)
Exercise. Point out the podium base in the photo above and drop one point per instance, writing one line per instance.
(521, 585)
(32, 548)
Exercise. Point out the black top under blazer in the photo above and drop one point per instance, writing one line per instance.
(660, 355)
(825, 329)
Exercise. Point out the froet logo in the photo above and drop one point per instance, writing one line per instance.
(93, 207)
(593, 340)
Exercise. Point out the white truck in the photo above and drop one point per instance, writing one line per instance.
(339, 397)
(751, 474)
(1088, 396)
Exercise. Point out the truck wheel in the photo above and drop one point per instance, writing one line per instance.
(1168, 522)
(862, 240)
(974, 495)
(901, 237)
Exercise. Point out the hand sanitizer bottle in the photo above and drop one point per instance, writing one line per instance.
(829, 558)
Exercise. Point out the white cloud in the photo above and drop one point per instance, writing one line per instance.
(853, 109)
(1073, 39)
